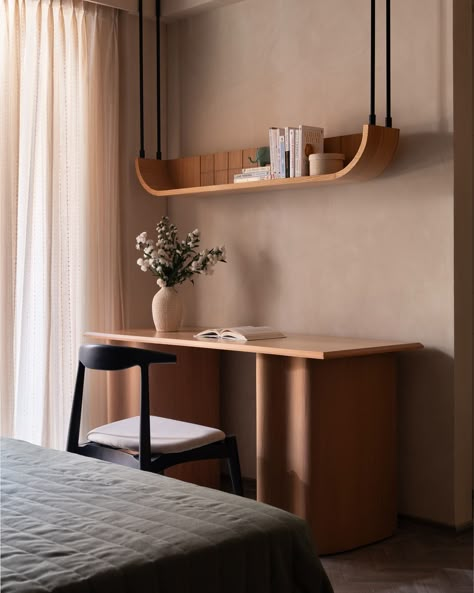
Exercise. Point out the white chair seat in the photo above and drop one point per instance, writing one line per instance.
(167, 436)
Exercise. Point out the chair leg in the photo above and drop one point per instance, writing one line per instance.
(234, 465)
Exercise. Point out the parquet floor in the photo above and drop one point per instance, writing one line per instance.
(419, 558)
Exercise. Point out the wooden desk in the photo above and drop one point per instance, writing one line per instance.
(326, 427)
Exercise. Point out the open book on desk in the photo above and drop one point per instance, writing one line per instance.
(243, 333)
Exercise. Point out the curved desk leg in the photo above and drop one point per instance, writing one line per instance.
(326, 445)
(283, 432)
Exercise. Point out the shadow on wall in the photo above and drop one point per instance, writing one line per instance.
(425, 432)
(246, 300)
(258, 278)
(420, 151)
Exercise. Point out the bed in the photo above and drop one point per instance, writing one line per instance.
(79, 525)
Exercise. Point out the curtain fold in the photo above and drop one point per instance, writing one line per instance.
(60, 266)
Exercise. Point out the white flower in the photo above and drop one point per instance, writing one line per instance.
(172, 260)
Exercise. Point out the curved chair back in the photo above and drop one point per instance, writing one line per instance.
(104, 357)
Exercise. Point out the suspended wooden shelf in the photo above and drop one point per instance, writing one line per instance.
(367, 155)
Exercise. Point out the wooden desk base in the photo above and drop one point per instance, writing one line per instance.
(326, 445)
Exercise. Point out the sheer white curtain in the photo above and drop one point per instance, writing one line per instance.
(60, 268)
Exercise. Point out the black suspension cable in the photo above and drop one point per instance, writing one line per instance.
(372, 117)
(158, 80)
(140, 41)
(388, 116)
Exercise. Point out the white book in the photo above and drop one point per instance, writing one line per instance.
(292, 151)
(273, 143)
(244, 178)
(256, 174)
(243, 333)
(281, 155)
(297, 152)
(312, 136)
(287, 151)
(265, 168)
(274, 137)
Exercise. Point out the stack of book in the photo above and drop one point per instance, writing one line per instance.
(290, 148)
(253, 174)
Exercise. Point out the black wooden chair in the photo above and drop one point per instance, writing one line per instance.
(150, 443)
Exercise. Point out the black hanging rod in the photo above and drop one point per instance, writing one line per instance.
(388, 114)
(372, 116)
(158, 78)
(140, 53)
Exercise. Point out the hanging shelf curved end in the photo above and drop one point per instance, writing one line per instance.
(376, 151)
(153, 175)
(367, 155)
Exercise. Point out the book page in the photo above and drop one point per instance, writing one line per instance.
(208, 333)
(243, 333)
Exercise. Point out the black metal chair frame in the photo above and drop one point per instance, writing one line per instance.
(113, 358)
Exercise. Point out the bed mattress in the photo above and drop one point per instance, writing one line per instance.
(79, 525)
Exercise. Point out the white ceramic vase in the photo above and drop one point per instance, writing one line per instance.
(167, 309)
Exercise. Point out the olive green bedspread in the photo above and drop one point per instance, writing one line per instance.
(71, 524)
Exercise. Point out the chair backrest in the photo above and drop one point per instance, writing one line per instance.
(104, 357)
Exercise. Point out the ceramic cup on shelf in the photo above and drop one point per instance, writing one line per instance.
(321, 163)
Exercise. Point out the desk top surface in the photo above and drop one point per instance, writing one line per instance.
(296, 345)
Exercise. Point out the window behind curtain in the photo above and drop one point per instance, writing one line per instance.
(59, 262)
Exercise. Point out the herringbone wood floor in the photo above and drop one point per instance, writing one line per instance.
(419, 558)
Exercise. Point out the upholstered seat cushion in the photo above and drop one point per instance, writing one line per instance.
(167, 436)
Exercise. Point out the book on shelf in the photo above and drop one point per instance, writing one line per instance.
(264, 169)
(290, 148)
(244, 179)
(287, 151)
(307, 135)
(281, 155)
(251, 176)
(292, 151)
(242, 333)
(273, 154)
(274, 136)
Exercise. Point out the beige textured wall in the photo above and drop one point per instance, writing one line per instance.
(372, 259)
